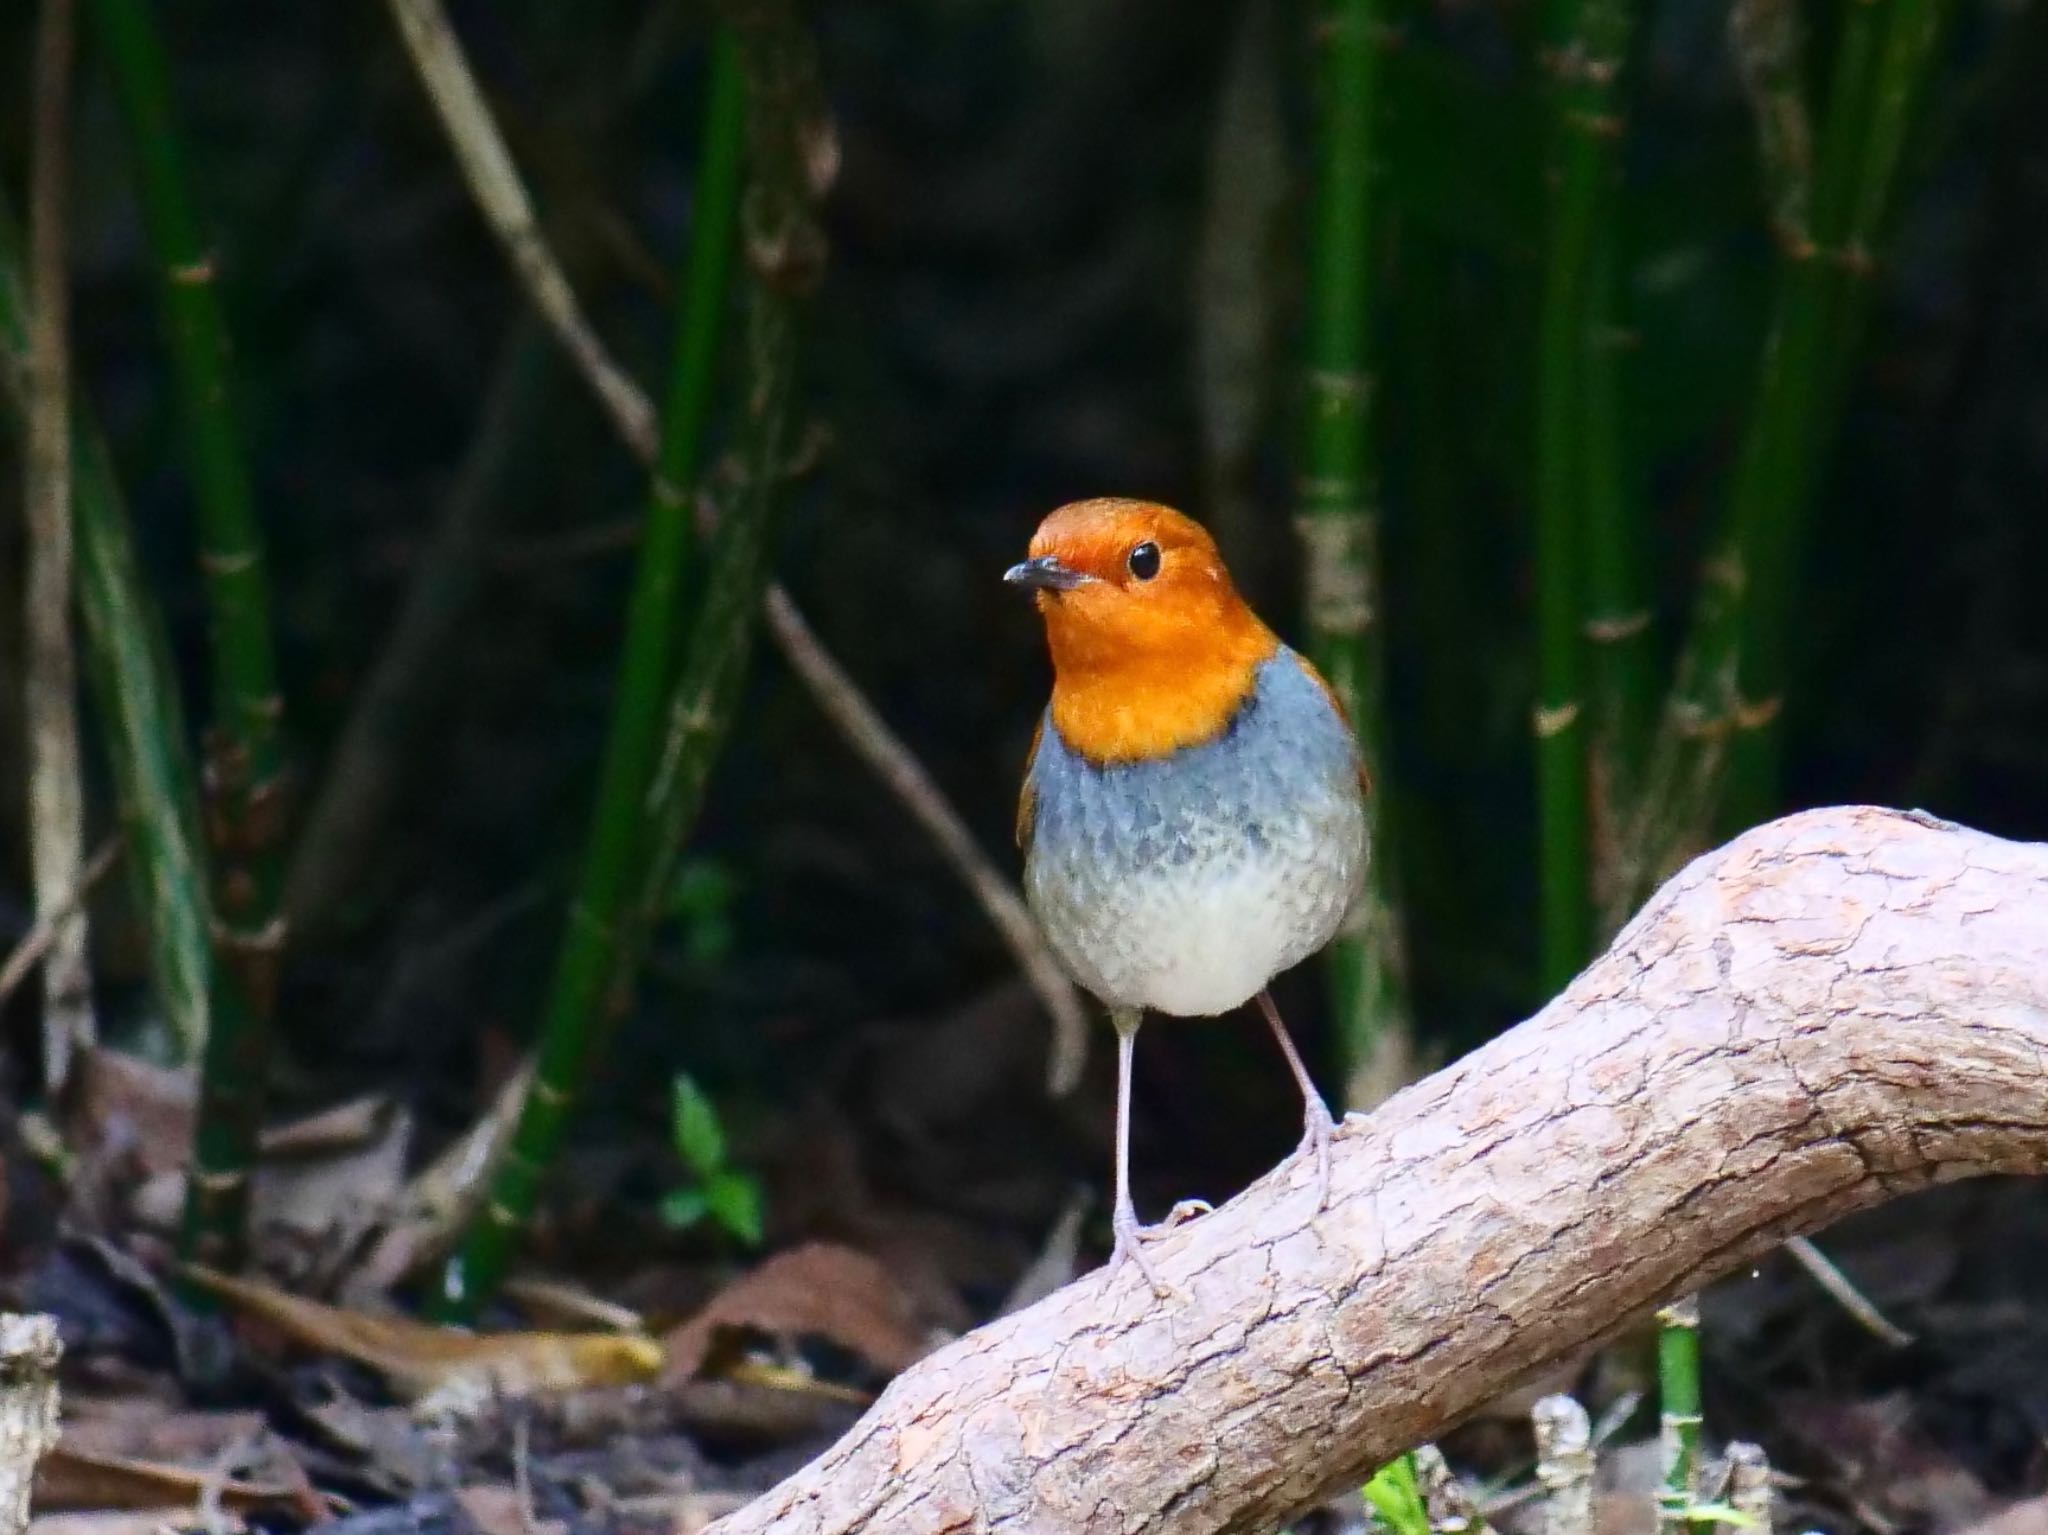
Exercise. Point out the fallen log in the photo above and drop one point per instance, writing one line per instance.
(1833, 1009)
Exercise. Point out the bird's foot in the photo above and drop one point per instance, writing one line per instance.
(1315, 1142)
(1187, 1210)
(1130, 1248)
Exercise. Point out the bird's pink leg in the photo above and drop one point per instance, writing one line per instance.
(1130, 1237)
(1317, 1125)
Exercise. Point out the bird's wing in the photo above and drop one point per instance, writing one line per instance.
(1344, 714)
(1027, 800)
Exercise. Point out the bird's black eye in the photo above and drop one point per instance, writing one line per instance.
(1144, 561)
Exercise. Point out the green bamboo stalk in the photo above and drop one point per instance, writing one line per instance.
(1715, 756)
(701, 709)
(244, 774)
(1678, 1386)
(1338, 517)
(1581, 516)
(135, 697)
(590, 955)
(1623, 671)
(1775, 498)
(1580, 469)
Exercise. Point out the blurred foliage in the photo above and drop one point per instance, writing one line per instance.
(1012, 318)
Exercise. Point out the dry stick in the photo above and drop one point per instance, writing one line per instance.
(1835, 1009)
(37, 941)
(1749, 1486)
(847, 707)
(29, 1351)
(56, 780)
(1846, 1295)
(494, 182)
(1564, 1465)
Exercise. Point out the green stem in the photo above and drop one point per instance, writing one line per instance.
(1774, 500)
(135, 697)
(590, 955)
(1576, 476)
(701, 709)
(1623, 673)
(1678, 1387)
(244, 779)
(1716, 754)
(1339, 521)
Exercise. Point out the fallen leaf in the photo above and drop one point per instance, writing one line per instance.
(819, 1290)
(561, 1302)
(445, 1364)
(125, 1103)
(140, 1429)
(137, 1521)
(72, 1478)
(2029, 1516)
(500, 1510)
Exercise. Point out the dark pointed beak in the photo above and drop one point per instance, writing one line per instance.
(1044, 574)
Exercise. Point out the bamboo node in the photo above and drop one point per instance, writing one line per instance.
(546, 1092)
(1745, 715)
(1340, 587)
(1683, 1312)
(193, 274)
(1554, 721)
(235, 564)
(1348, 383)
(1608, 631)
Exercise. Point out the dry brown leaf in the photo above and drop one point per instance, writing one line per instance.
(2029, 1516)
(70, 1478)
(139, 1428)
(126, 1102)
(138, 1521)
(500, 1510)
(818, 1290)
(562, 1302)
(444, 1363)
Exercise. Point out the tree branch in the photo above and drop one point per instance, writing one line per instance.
(1833, 1009)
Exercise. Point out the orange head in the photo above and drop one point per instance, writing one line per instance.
(1152, 648)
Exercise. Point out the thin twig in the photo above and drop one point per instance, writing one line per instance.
(37, 941)
(494, 182)
(1852, 1300)
(56, 793)
(864, 729)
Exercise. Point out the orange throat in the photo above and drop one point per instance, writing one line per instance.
(1112, 703)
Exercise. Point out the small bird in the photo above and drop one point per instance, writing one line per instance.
(1193, 816)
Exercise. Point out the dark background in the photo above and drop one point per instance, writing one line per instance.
(1051, 217)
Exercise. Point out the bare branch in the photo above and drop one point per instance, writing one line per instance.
(56, 780)
(493, 180)
(1834, 1009)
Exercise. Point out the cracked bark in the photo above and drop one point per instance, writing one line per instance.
(1833, 1009)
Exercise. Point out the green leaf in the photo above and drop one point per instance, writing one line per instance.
(684, 1208)
(699, 1140)
(1719, 1513)
(1396, 1499)
(734, 1200)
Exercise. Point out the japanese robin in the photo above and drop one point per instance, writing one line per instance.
(1193, 816)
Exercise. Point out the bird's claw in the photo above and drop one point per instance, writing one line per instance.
(1130, 1248)
(1187, 1210)
(1315, 1142)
